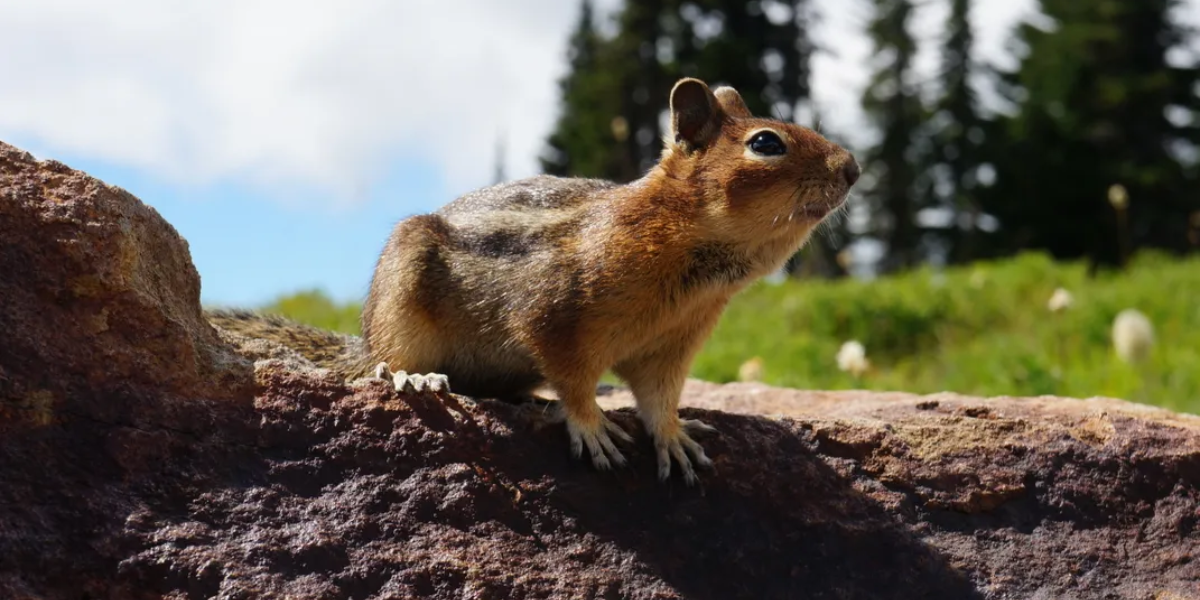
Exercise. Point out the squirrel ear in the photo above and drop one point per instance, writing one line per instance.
(731, 102)
(695, 117)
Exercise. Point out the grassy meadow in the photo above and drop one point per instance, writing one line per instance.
(983, 329)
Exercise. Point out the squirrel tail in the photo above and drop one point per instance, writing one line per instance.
(344, 354)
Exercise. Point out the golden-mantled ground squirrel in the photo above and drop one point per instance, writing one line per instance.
(557, 280)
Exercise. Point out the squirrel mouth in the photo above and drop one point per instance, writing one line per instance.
(817, 206)
(820, 209)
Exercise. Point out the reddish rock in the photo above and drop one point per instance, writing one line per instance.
(98, 292)
(139, 460)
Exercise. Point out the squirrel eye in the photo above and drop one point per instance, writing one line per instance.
(767, 143)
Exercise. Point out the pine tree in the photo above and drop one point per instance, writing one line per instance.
(960, 135)
(644, 83)
(896, 163)
(616, 92)
(1095, 95)
(587, 136)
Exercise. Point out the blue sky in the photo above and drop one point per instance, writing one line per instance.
(284, 139)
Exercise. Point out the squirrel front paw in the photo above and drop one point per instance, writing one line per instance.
(676, 442)
(596, 434)
(408, 383)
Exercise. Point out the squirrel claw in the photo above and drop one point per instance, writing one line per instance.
(697, 427)
(382, 371)
(683, 449)
(410, 383)
(603, 451)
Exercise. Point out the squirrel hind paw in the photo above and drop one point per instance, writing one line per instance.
(410, 383)
(681, 448)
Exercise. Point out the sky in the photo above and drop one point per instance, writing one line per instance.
(284, 138)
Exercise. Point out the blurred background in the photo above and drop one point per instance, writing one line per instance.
(1027, 222)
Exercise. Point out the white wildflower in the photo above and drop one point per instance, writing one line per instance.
(1060, 300)
(852, 358)
(751, 370)
(845, 259)
(1132, 335)
(1118, 196)
(620, 128)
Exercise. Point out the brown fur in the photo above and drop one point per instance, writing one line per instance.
(556, 280)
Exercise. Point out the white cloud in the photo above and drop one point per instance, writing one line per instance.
(320, 95)
(306, 93)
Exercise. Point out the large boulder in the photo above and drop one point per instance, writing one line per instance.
(98, 292)
(140, 457)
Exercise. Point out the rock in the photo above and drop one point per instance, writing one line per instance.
(138, 460)
(109, 375)
(97, 292)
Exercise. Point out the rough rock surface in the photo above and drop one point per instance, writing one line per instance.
(98, 291)
(139, 460)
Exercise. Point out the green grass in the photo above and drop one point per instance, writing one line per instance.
(982, 330)
(315, 308)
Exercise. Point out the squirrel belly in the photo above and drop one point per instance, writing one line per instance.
(554, 281)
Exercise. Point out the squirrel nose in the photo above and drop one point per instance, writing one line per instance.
(851, 171)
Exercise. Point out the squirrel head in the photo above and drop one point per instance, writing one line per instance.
(758, 179)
